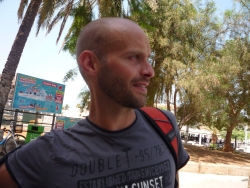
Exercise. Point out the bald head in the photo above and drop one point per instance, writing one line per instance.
(99, 34)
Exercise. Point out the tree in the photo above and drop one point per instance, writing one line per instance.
(44, 9)
(245, 4)
(239, 133)
(234, 87)
(84, 95)
(82, 15)
(9, 70)
(182, 35)
(232, 72)
(66, 107)
(81, 11)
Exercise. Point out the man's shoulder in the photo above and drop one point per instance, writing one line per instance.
(62, 132)
(169, 115)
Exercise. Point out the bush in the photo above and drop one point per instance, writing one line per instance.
(213, 146)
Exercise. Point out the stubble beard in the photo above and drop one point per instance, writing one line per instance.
(117, 89)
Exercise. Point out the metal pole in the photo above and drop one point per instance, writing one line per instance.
(186, 136)
(15, 117)
(36, 118)
(53, 121)
(246, 138)
(1, 117)
(200, 138)
(235, 142)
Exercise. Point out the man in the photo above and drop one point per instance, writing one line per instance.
(115, 146)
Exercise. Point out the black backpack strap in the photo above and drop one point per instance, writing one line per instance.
(165, 129)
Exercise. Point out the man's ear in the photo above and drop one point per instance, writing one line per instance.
(88, 62)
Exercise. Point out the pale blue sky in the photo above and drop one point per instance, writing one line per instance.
(41, 57)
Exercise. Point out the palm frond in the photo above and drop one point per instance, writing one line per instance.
(55, 20)
(82, 14)
(63, 14)
(70, 75)
(23, 4)
(67, 12)
(45, 13)
(110, 8)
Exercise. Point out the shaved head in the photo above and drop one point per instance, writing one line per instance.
(112, 55)
(99, 34)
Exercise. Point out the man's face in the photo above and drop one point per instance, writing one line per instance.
(125, 73)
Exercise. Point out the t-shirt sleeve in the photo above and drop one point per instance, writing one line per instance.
(183, 156)
(27, 164)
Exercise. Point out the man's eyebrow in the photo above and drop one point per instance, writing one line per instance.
(133, 52)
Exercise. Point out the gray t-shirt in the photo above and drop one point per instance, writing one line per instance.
(86, 156)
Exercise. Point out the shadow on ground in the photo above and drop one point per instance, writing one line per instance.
(204, 154)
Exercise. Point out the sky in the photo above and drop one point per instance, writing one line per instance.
(41, 57)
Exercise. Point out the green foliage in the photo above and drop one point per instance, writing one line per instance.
(66, 107)
(238, 133)
(201, 61)
(82, 15)
(70, 75)
(245, 4)
(84, 96)
(110, 8)
(214, 147)
(182, 35)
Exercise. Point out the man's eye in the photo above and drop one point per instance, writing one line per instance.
(134, 57)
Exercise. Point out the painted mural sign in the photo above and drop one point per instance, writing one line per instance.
(60, 122)
(36, 94)
(63, 122)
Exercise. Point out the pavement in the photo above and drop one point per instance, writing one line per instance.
(217, 169)
(196, 180)
(209, 175)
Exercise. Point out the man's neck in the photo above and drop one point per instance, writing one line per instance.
(112, 119)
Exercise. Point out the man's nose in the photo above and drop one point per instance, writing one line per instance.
(147, 70)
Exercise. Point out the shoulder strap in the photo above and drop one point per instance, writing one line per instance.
(164, 127)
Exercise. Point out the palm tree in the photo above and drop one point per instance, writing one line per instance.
(66, 107)
(45, 10)
(81, 10)
(82, 15)
(16, 51)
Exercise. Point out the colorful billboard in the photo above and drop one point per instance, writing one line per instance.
(36, 94)
(65, 122)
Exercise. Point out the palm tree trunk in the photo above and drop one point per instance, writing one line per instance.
(9, 70)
